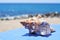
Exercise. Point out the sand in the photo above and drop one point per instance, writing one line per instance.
(54, 20)
(7, 25)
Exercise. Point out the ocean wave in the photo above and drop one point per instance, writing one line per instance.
(7, 17)
(50, 14)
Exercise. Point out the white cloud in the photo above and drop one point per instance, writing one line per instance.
(29, 1)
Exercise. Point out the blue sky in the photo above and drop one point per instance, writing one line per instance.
(29, 1)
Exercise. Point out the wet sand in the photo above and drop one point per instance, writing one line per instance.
(13, 24)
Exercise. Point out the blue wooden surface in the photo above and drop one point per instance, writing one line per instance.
(22, 34)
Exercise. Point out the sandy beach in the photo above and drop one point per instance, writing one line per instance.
(6, 25)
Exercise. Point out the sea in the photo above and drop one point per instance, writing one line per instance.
(14, 9)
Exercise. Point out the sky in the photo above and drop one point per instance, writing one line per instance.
(29, 1)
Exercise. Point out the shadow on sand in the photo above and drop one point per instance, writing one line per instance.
(35, 35)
